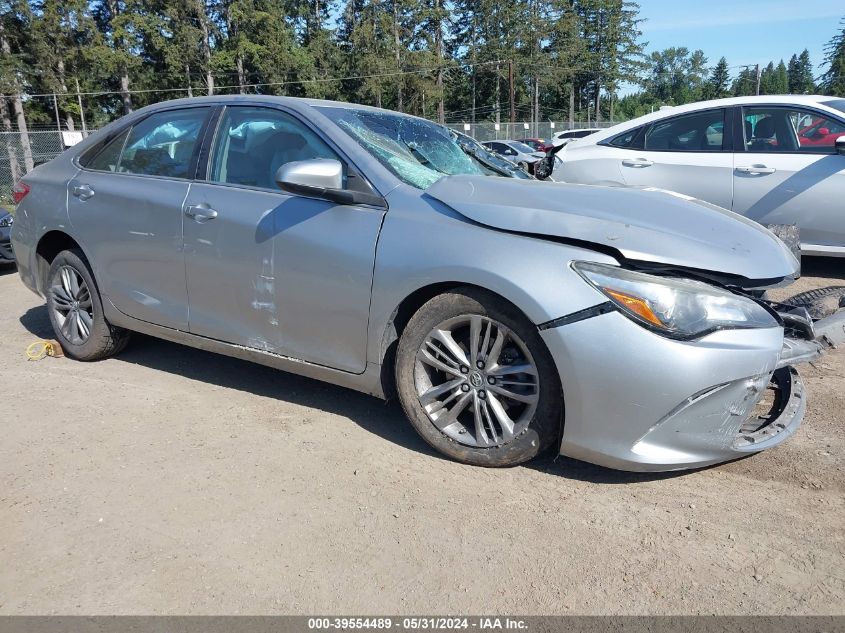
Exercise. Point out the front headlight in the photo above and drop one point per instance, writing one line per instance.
(680, 308)
(6, 220)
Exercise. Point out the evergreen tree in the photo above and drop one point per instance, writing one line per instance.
(801, 74)
(718, 83)
(833, 81)
(780, 80)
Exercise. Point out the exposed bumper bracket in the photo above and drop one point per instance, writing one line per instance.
(798, 351)
(831, 329)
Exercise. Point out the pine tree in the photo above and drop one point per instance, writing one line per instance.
(780, 81)
(833, 81)
(800, 72)
(717, 85)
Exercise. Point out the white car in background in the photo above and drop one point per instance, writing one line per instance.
(567, 136)
(774, 159)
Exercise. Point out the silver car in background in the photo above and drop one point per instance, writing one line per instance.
(520, 154)
(380, 252)
(778, 159)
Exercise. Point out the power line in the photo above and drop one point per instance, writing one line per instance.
(239, 86)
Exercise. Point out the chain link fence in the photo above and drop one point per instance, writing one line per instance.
(487, 131)
(15, 159)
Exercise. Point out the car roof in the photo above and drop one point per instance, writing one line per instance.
(251, 98)
(670, 111)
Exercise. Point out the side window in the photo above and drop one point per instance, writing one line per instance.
(790, 130)
(626, 139)
(253, 142)
(696, 132)
(163, 143)
(109, 156)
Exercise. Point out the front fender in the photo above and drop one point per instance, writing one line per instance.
(424, 243)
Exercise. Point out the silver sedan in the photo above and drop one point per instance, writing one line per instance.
(377, 251)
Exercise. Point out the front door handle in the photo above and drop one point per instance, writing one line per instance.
(637, 162)
(83, 192)
(200, 212)
(756, 169)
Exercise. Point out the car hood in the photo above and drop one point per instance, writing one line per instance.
(642, 224)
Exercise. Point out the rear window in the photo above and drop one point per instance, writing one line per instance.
(694, 132)
(109, 156)
(162, 144)
(836, 104)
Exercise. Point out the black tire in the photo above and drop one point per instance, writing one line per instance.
(544, 427)
(103, 339)
(821, 302)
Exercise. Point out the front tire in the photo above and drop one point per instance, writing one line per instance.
(476, 380)
(76, 310)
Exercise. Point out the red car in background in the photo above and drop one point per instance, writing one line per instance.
(537, 144)
(820, 132)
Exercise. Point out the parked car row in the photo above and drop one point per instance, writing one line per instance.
(369, 248)
(522, 155)
(526, 152)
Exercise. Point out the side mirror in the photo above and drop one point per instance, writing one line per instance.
(315, 178)
(840, 146)
(822, 131)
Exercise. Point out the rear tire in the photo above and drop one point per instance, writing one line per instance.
(76, 310)
(499, 405)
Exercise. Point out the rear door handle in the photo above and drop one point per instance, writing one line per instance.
(756, 169)
(637, 162)
(200, 212)
(83, 192)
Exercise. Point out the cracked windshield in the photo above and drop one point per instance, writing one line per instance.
(419, 152)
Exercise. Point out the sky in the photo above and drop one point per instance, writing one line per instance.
(744, 31)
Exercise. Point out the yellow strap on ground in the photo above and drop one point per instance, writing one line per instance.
(40, 349)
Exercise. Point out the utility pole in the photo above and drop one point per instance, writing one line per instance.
(510, 83)
(188, 80)
(757, 67)
(81, 110)
(58, 121)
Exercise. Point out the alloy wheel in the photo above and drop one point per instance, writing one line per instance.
(72, 306)
(476, 381)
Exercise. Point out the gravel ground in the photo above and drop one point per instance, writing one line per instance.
(170, 480)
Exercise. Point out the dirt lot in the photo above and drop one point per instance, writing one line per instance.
(170, 480)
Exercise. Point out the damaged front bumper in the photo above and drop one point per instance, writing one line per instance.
(643, 402)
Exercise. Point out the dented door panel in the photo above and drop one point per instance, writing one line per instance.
(281, 273)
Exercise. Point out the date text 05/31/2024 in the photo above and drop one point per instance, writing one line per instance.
(417, 623)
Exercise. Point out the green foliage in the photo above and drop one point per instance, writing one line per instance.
(800, 72)
(449, 58)
(833, 81)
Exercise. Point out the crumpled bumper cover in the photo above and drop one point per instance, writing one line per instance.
(637, 401)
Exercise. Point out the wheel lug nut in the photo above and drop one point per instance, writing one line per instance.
(491, 380)
(482, 395)
(464, 369)
(464, 388)
(480, 364)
